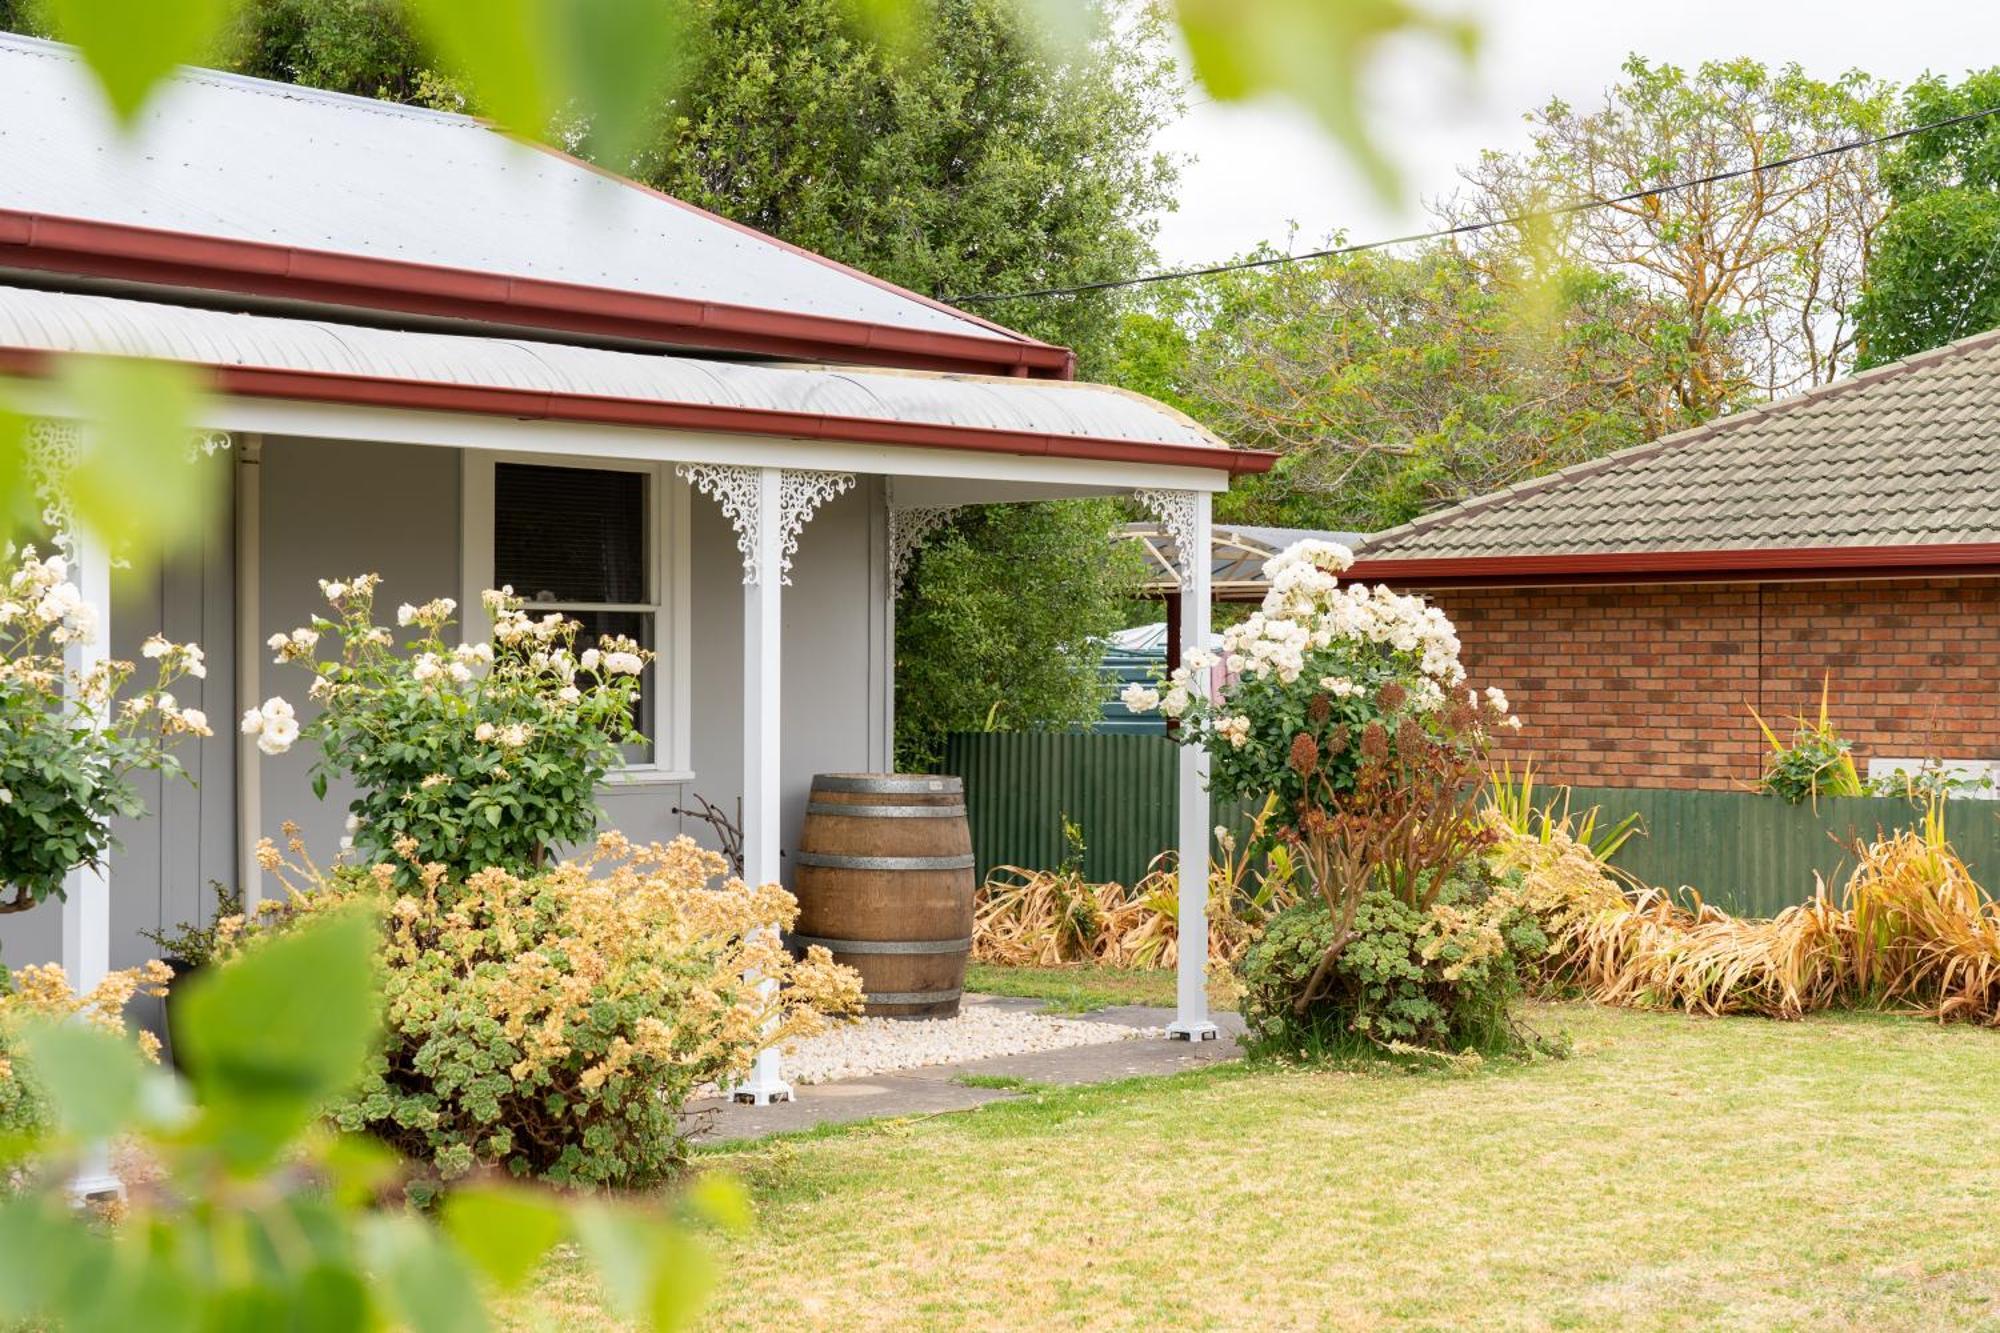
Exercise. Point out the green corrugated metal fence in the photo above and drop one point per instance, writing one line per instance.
(1019, 785)
(1747, 853)
(1754, 855)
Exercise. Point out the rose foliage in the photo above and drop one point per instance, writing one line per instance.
(1349, 704)
(487, 754)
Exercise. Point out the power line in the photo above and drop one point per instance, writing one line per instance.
(1467, 228)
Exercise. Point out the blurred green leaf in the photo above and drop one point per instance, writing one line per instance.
(682, 1273)
(93, 1077)
(431, 1285)
(358, 1168)
(1317, 52)
(722, 1199)
(135, 482)
(131, 45)
(531, 63)
(504, 1231)
(274, 1033)
(619, 1246)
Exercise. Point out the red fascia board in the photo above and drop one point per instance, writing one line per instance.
(539, 405)
(1731, 566)
(90, 248)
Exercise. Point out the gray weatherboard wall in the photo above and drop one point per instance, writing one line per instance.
(332, 509)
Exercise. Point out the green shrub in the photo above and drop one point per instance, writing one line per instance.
(1407, 979)
(554, 1025)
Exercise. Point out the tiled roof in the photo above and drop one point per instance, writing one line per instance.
(1907, 454)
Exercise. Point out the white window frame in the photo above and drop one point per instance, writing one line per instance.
(669, 704)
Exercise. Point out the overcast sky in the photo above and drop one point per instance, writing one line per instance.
(1259, 168)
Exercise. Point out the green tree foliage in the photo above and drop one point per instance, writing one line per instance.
(364, 47)
(1933, 276)
(1755, 278)
(1391, 385)
(983, 161)
(1001, 629)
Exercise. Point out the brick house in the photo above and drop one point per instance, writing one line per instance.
(1635, 607)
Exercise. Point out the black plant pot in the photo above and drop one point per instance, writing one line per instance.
(183, 971)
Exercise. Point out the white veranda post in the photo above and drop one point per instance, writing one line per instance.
(768, 507)
(86, 906)
(1186, 517)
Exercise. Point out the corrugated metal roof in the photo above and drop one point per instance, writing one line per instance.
(1904, 455)
(46, 321)
(246, 159)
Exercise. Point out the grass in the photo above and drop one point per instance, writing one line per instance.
(1677, 1172)
(1076, 988)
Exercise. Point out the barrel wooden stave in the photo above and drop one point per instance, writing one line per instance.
(891, 882)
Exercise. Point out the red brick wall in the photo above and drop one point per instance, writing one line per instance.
(1651, 686)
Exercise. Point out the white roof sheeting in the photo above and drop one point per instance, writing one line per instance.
(226, 156)
(48, 321)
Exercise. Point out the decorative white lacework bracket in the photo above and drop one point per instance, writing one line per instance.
(736, 490)
(909, 528)
(55, 447)
(1175, 511)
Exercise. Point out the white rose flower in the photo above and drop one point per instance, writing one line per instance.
(277, 735)
(624, 664)
(405, 614)
(483, 732)
(1139, 698)
(589, 658)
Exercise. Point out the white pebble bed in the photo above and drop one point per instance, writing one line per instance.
(884, 1045)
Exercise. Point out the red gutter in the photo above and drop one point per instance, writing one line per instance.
(594, 409)
(88, 248)
(1732, 566)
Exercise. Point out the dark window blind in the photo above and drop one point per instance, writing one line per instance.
(570, 534)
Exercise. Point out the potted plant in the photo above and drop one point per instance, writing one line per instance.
(190, 946)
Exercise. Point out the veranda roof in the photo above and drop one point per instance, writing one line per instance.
(1897, 468)
(323, 361)
(293, 194)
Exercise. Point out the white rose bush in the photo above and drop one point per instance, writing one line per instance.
(485, 754)
(1349, 703)
(71, 741)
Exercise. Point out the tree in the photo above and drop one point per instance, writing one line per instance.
(1393, 384)
(1002, 629)
(985, 161)
(1761, 272)
(1933, 276)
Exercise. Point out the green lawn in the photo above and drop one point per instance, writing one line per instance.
(1075, 988)
(1675, 1172)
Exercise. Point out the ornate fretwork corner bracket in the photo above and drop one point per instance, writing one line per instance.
(1175, 511)
(909, 529)
(55, 447)
(53, 450)
(735, 490)
(800, 493)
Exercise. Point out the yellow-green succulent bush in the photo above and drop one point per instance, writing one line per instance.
(555, 1024)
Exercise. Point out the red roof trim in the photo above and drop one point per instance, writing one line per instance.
(538, 405)
(90, 248)
(1752, 565)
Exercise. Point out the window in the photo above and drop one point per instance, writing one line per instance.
(595, 543)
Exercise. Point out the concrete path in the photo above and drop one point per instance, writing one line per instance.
(936, 1088)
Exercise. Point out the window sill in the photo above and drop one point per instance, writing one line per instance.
(646, 776)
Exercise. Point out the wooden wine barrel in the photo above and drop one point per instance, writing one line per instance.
(884, 881)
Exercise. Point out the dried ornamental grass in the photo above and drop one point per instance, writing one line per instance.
(1913, 931)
